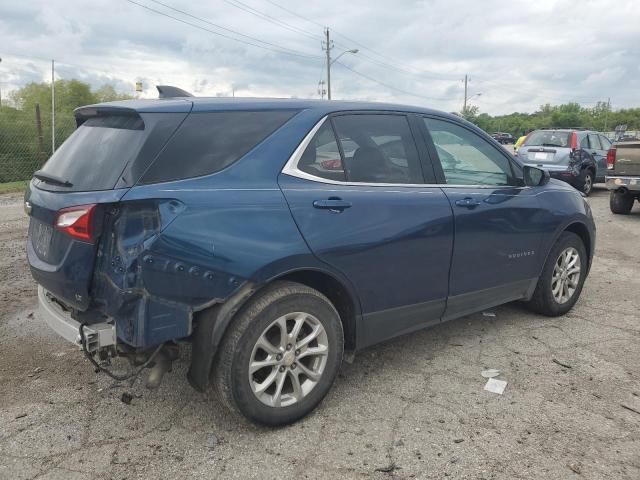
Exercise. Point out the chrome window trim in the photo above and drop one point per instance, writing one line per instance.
(291, 169)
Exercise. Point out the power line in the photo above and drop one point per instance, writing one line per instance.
(393, 65)
(287, 51)
(247, 8)
(221, 27)
(391, 86)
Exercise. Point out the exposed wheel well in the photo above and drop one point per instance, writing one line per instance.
(582, 231)
(337, 293)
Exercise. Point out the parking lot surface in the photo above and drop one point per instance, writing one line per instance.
(411, 408)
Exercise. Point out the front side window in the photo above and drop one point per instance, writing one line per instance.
(467, 158)
(378, 149)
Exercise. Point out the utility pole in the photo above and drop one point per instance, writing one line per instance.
(321, 89)
(328, 45)
(0, 91)
(464, 106)
(53, 107)
(606, 113)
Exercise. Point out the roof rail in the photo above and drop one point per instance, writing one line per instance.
(167, 91)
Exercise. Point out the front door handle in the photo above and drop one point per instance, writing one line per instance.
(467, 202)
(335, 205)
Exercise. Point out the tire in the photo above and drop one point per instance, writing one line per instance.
(282, 303)
(543, 300)
(586, 181)
(620, 202)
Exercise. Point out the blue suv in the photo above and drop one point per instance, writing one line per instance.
(276, 235)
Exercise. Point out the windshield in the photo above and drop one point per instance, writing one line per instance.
(549, 138)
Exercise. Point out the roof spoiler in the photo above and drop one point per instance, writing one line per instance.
(167, 91)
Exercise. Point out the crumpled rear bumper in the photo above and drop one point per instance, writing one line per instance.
(97, 335)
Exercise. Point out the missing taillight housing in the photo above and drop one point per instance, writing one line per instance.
(77, 222)
(611, 158)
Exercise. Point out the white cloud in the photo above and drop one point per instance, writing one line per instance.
(519, 54)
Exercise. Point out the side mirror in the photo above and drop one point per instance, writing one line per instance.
(535, 177)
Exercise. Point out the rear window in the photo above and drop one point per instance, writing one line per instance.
(549, 138)
(95, 155)
(208, 142)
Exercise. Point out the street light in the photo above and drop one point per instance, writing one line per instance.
(0, 89)
(331, 62)
(466, 99)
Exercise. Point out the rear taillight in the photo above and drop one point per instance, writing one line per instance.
(611, 159)
(77, 222)
(574, 141)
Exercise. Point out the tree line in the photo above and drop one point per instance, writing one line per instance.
(25, 122)
(600, 118)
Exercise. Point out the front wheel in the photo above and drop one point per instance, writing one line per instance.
(562, 278)
(280, 355)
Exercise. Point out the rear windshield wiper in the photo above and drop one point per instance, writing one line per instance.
(53, 179)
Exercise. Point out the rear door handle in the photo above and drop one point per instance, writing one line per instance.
(335, 205)
(467, 202)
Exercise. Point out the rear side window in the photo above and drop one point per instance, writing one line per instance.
(322, 156)
(378, 149)
(594, 141)
(208, 142)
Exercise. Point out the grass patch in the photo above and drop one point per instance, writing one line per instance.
(12, 187)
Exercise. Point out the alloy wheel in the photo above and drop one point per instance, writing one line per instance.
(288, 359)
(588, 184)
(566, 275)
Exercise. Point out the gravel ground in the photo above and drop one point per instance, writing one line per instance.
(412, 408)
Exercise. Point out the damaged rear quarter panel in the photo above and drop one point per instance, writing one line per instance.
(166, 259)
(215, 234)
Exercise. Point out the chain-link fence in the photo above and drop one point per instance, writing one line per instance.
(25, 141)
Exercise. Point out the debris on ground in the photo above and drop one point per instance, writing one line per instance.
(575, 467)
(213, 441)
(388, 469)
(494, 385)
(488, 314)
(458, 440)
(490, 373)
(562, 364)
(631, 409)
(21, 415)
(126, 398)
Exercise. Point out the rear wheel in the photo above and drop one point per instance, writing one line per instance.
(620, 202)
(586, 181)
(281, 354)
(562, 278)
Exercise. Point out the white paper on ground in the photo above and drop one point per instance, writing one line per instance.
(495, 386)
(490, 373)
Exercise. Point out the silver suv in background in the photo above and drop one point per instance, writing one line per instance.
(578, 157)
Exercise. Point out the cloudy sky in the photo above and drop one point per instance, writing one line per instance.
(518, 54)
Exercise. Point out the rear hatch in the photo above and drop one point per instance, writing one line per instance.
(85, 178)
(546, 148)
